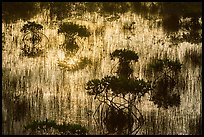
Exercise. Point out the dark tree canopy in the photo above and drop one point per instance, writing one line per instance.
(31, 26)
(74, 29)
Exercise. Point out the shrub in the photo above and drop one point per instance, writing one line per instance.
(51, 127)
(31, 38)
(72, 29)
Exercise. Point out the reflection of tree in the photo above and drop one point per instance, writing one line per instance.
(110, 89)
(14, 102)
(165, 80)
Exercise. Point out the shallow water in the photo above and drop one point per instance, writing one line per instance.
(36, 88)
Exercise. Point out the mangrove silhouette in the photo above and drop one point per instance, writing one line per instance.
(124, 84)
(121, 86)
(32, 39)
(71, 30)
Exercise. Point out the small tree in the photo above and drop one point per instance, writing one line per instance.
(71, 30)
(32, 38)
(119, 117)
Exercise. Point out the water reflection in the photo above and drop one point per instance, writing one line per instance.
(73, 64)
(40, 87)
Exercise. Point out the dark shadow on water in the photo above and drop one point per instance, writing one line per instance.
(15, 104)
(195, 126)
(17, 107)
(170, 13)
(13, 11)
(156, 124)
(58, 9)
(171, 23)
(193, 57)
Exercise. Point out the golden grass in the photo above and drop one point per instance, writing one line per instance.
(60, 95)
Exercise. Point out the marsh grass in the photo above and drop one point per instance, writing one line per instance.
(60, 95)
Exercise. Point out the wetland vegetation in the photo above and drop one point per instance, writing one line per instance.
(94, 68)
